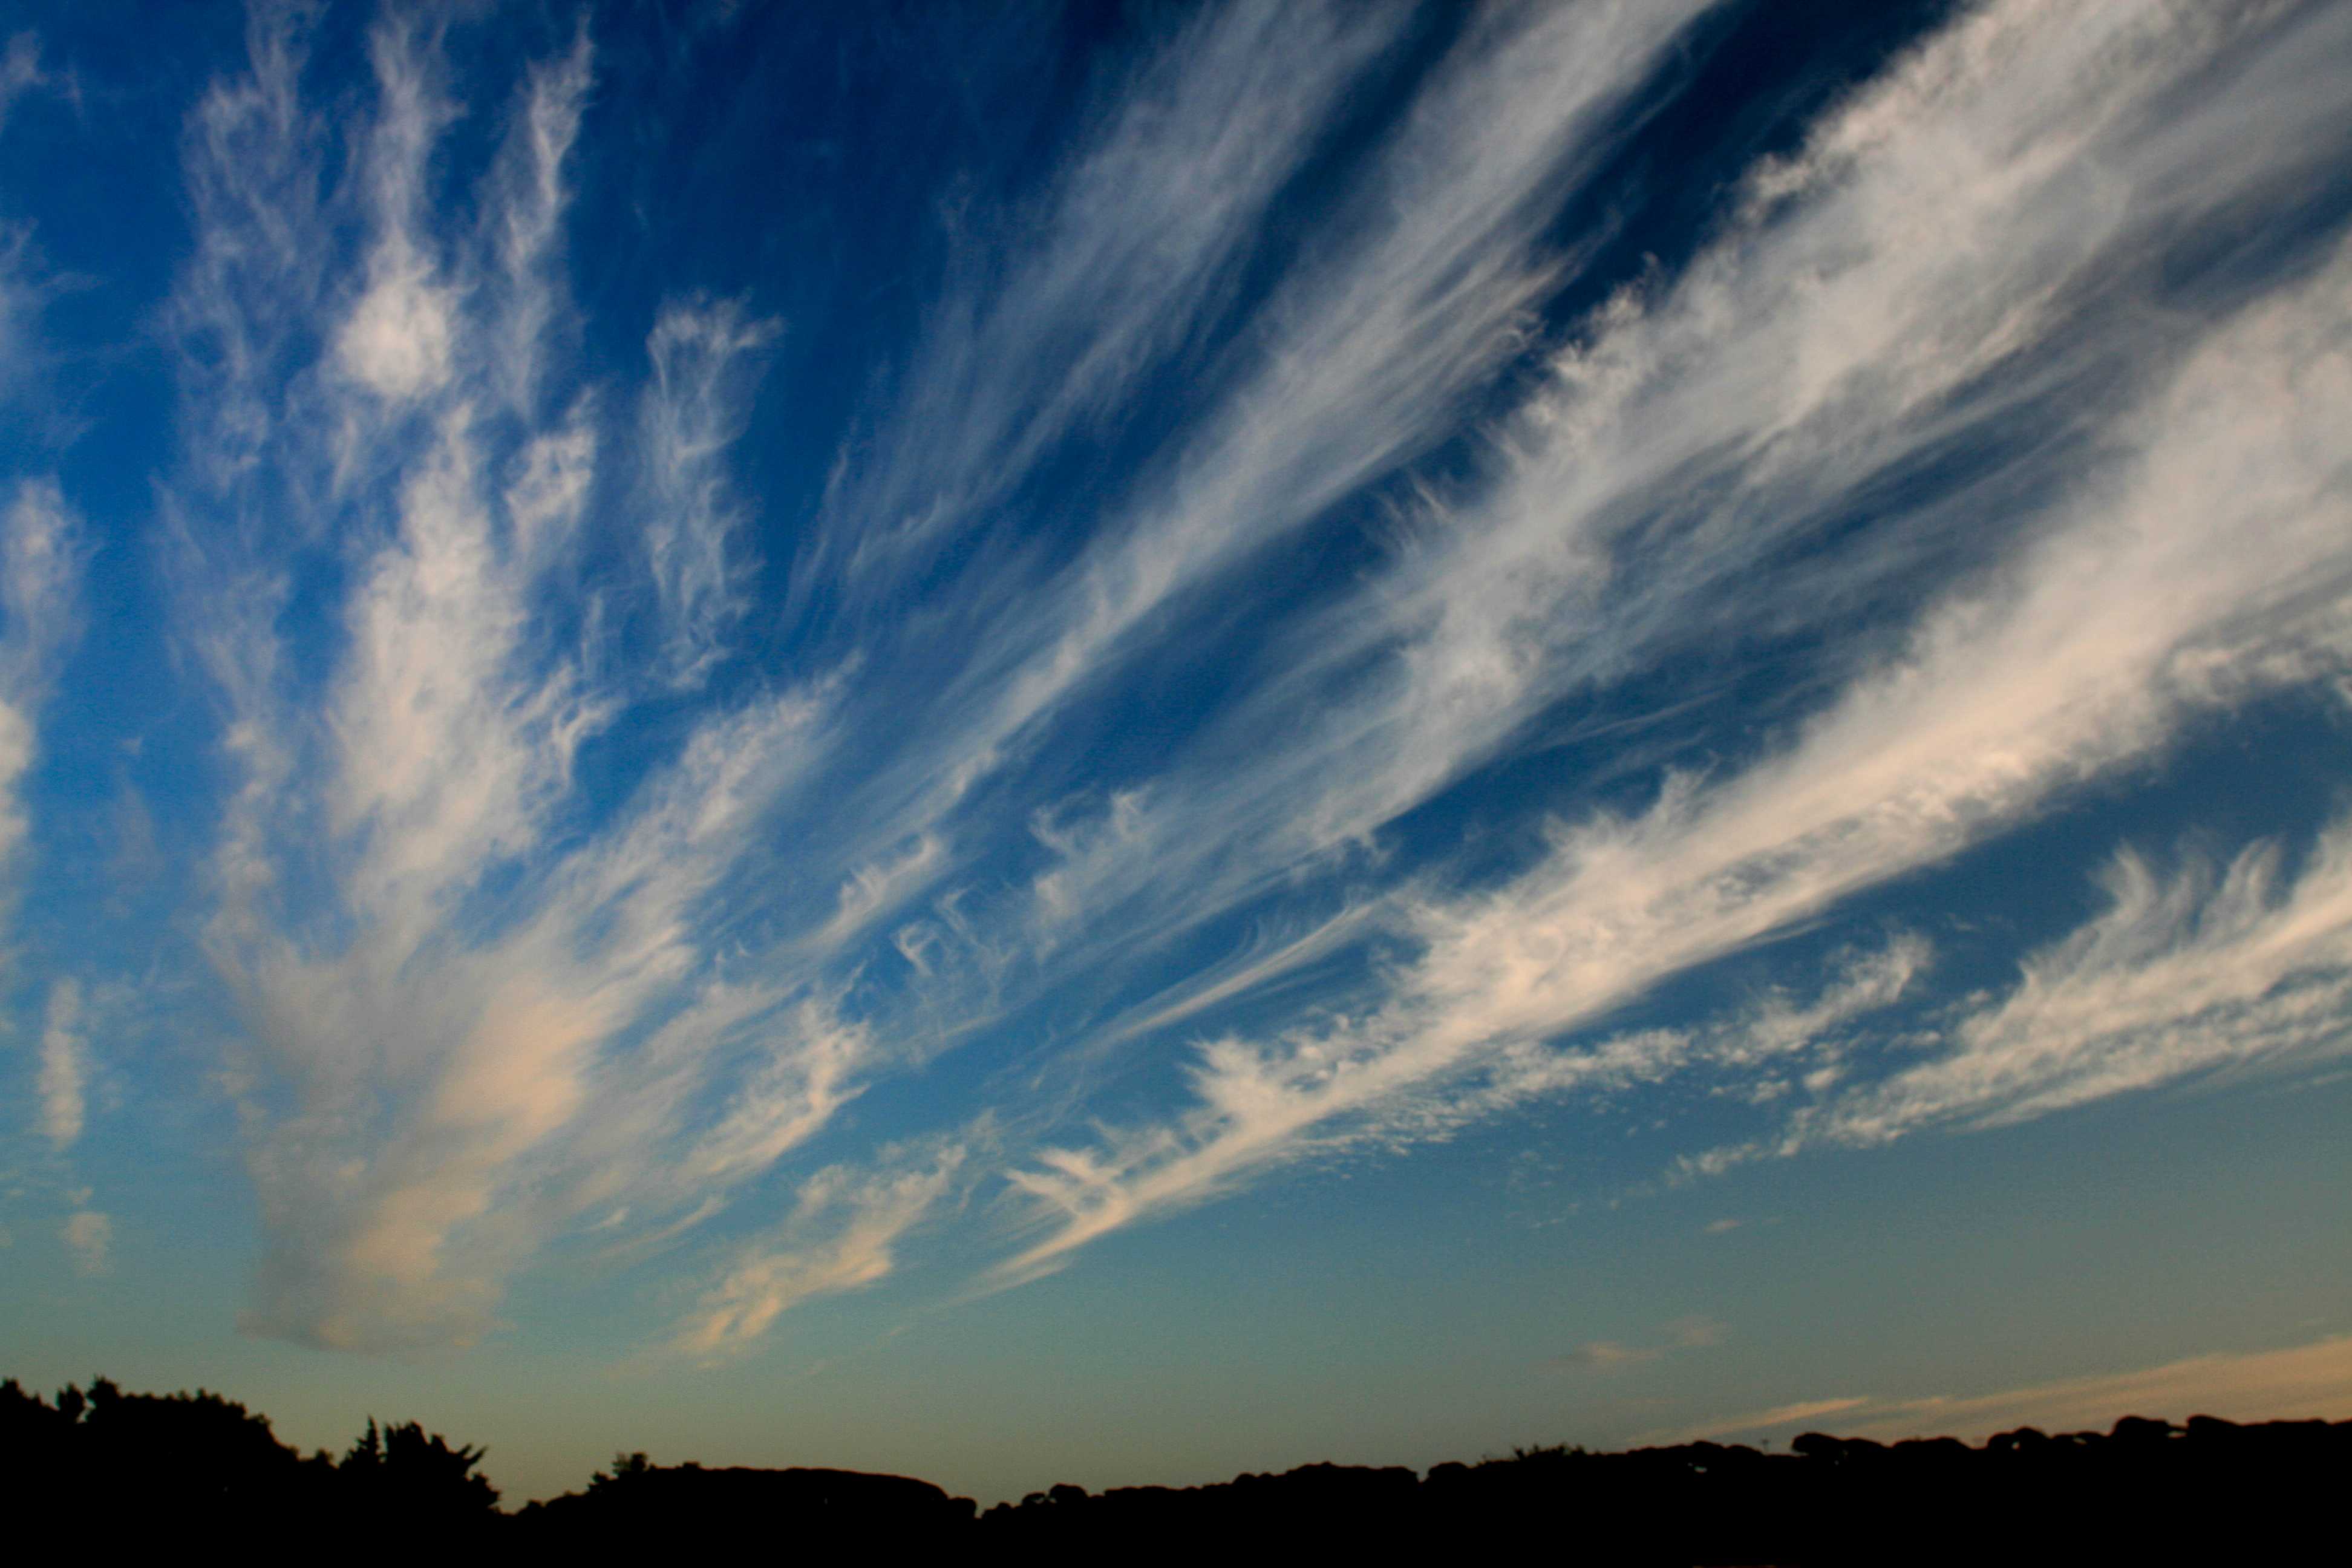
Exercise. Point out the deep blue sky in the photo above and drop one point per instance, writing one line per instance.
(1115, 742)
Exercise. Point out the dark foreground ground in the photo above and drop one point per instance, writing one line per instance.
(187, 1467)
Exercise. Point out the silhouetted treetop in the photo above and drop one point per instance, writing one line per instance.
(200, 1458)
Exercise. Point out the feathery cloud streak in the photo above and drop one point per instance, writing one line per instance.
(39, 569)
(1305, 634)
(2212, 560)
(421, 1034)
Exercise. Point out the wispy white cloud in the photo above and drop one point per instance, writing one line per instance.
(474, 1021)
(250, 292)
(440, 671)
(365, 1223)
(1776, 1026)
(544, 920)
(705, 359)
(1420, 292)
(524, 213)
(21, 296)
(1369, 353)
(64, 1066)
(2168, 587)
(40, 599)
(2209, 968)
(395, 1236)
(842, 1233)
(1996, 200)
(808, 1075)
(40, 571)
(1613, 1355)
(1361, 367)
(1049, 330)
(88, 1236)
(875, 891)
(397, 337)
(23, 288)
(20, 71)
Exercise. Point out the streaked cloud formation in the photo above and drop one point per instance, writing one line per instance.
(1326, 629)
(2144, 594)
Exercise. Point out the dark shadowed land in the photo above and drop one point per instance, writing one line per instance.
(2206, 1492)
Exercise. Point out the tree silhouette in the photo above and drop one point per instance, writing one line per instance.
(136, 1468)
(627, 1468)
(404, 1475)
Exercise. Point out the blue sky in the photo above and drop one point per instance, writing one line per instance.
(1118, 742)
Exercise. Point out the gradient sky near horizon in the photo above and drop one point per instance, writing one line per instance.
(1106, 743)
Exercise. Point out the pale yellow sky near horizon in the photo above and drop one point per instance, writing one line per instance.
(2292, 1384)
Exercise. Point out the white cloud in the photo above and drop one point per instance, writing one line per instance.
(460, 1095)
(842, 1234)
(90, 1236)
(20, 70)
(1424, 302)
(455, 733)
(523, 214)
(2159, 590)
(385, 1230)
(474, 1016)
(875, 889)
(398, 337)
(249, 295)
(1665, 489)
(1138, 240)
(1419, 293)
(40, 573)
(23, 290)
(492, 1006)
(1611, 1355)
(64, 1067)
(2207, 969)
(41, 570)
(806, 1078)
(1607, 1355)
(705, 359)
(1775, 1027)
(1367, 353)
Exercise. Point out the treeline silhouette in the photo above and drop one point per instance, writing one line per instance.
(2147, 1491)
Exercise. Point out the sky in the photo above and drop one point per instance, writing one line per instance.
(1118, 743)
